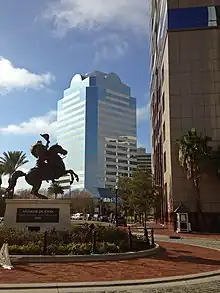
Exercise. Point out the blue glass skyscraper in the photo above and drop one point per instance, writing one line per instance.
(97, 125)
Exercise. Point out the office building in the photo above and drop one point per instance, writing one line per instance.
(143, 159)
(185, 94)
(97, 125)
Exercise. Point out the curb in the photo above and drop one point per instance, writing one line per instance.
(153, 281)
(21, 259)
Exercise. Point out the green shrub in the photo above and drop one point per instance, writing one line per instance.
(64, 249)
(111, 235)
(25, 249)
(77, 241)
(81, 249)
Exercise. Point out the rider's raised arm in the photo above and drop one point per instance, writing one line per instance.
(47, 144)
(47, 138)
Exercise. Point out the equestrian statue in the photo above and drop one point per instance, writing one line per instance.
(49, 167)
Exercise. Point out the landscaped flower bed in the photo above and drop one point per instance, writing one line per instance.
(78, 241)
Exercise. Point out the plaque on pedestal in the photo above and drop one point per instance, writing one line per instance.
(37, 214)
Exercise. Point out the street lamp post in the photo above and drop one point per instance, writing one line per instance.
(116, 205)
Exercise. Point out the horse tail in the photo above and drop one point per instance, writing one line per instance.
(13, 179)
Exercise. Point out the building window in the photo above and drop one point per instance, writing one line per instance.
(122, 161)
(122, 148)
(109, 146)
(123, 168)
(164, 132)
(193, 17)
(110, 160)
(163, 102)
(110, 173)
(164, 162)
(122, 155)
(111, 167)
(133, 150)
(110, 153)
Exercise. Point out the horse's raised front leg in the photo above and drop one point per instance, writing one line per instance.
(73, 175)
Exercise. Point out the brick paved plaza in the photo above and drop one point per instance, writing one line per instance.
(205, 260)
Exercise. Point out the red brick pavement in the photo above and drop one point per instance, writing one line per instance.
(174, 259)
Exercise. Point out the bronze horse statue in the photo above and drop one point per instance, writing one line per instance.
(52, 169)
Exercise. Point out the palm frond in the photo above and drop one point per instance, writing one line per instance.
(10, 161)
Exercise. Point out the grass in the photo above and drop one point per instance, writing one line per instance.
(81, 222)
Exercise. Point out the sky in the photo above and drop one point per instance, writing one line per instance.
(44, 43)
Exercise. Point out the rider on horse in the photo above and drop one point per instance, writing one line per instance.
(49, 167)
(40, 152)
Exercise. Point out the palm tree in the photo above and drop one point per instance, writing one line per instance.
(55, 189)
(11, 161)
(193, 152)
(1, 174)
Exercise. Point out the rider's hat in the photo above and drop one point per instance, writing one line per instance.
(45, 136)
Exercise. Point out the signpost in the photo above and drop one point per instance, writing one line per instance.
(37, 215)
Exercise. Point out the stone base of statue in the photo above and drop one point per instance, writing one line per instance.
(37, 214)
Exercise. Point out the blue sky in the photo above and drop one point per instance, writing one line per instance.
(44, 43)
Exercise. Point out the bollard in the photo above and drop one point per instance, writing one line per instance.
(129, 238)
(146, 236)
(94, 242)
(152, 236)
(45, 243)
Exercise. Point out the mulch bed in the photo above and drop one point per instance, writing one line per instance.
(174, 259)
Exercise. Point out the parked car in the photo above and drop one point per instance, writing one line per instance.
(77, 216)
(95, 217)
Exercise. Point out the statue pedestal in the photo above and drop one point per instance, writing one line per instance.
(37, 214)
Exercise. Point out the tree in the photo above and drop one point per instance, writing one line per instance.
(55, 189)
(23, 193)
(143, 192)
(11, 161)
(1, 174)
(82, 202)
(124, 192)
(138, 193)
(193, 152)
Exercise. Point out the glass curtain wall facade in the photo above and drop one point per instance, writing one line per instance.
(97, 125)
(71, 125)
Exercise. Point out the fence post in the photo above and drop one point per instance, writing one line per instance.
(129, 237)
(45, 243)
(152, 236)
(94, 242)
(146, 236)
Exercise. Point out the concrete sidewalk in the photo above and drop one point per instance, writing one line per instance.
(193, 286)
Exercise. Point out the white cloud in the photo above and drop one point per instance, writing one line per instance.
(12, 77)
(143, 113)
(110, 47)
(132, 15)
(34, 126)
